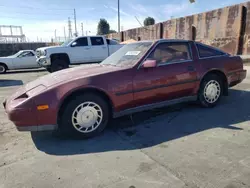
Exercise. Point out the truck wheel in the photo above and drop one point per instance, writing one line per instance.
(210, 91)
(3, 68)
(85, 116)
(59, 64)
(48, 69)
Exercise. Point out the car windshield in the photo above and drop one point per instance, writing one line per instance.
(128, 55)
(67, 42)
(17, 54)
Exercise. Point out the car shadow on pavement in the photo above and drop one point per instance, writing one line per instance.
(26, 71)
(8, 83)
(154, 127)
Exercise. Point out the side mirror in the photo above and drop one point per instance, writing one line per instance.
(149, 63)
(73, 44)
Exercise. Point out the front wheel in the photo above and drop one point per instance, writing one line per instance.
(59, 64)
(84, 116)
(210, 91)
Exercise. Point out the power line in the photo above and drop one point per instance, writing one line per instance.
(30, 7)
(42, 13)
(143, 26)
(30, 18)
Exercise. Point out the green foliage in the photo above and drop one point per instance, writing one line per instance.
(149, 21)
(103, 27)
(112, 31)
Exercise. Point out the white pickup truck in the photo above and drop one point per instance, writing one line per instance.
(87, 49)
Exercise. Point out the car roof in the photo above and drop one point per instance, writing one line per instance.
(166, 40)
(26, 50)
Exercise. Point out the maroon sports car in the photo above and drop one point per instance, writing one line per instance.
(140, 76)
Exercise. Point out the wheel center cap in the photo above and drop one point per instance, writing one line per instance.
(211, 91)
(88, 118)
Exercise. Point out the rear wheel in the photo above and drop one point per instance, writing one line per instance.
(59, 64)
(3, 68)
(211, 90)
(84, 116)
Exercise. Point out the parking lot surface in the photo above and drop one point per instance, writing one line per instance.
(179, 146)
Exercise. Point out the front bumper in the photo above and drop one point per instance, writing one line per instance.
(24, 114)
(43, 61)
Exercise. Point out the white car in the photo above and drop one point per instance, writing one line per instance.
(21, 60)
(86, 49)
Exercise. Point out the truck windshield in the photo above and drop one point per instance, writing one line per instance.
(67, 42)
(128, 55)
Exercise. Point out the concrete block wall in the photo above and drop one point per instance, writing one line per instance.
(246, 29)
(143, 33)
(11, 48)
(227, 28)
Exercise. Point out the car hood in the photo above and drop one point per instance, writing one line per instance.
(48, 47)
(70, 74)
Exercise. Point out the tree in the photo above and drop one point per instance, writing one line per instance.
(103, 27)
(149, 21)
(112, 31)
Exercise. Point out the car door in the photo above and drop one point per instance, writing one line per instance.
(79, 51)
(174, 77)
(98, 50)
(26, 59)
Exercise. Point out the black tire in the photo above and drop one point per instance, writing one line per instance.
(48, 69)
(66, 127)
(3, 68)
(59, 64)
(204, 101)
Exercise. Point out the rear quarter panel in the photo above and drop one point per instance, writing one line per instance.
(226, 64)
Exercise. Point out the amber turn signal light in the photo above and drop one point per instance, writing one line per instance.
(43, 107)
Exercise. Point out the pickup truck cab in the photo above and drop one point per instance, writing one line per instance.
(86, 49)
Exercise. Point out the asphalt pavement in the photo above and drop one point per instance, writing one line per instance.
(180, 146)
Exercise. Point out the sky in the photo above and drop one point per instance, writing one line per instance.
(40, 19)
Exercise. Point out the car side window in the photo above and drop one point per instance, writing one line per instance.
(206, 51)
(81, 42)
(26, 54)
(96, 41)
(171, 52)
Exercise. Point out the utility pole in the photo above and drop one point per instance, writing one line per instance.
(64, 33)
(82, 28)
(86, 33)
(55, 35)
(118, 16)
(75, 22)
(70, 29)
